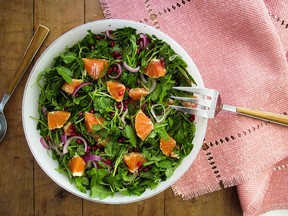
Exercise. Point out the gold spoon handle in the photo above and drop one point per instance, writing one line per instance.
(272, 117)
(34, 45)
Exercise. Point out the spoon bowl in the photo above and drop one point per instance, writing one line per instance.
(3, 125)
(34, 45)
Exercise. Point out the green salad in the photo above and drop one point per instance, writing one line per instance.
(104, 112)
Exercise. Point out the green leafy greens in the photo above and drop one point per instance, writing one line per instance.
(115, 137)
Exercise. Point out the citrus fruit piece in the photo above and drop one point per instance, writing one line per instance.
(68, 128)
(155, 69)
(143, 125)
(77, 166)
(116, 90)
(167, 146)
(95, 67)
(57, 119)
(70, 87)
(134, 160)
(138, 93)
(91, 119)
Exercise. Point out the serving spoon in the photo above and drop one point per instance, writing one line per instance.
(34, 45)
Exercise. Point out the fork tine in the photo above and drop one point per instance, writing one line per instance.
(197, 90)
(199, 101)
(193, 111)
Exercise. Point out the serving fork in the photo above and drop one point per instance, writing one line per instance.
(209, 104)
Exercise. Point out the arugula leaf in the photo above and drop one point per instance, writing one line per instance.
(129, 133)
(65, 73)
(68, 57)
(100, 191)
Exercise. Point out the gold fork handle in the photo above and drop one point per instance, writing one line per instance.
(34, 45)
(268, 116)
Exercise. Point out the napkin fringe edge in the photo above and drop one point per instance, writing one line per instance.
(196, 193)
(106, 9)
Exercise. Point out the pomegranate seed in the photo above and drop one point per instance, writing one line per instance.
(139, 164)
(112, 44)
(73, 134)
(120, 92)
(109, 162)
(92, 47)
(101, 148)
(110, 31)
(146, 169)
(94, 147)
(92, 111)
(48, 138)
(98, 37)
(80, 114)
(192, 118)
(79, 141)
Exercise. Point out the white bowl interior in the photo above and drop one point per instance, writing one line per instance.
(30, 105)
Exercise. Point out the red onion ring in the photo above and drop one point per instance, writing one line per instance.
(80, 86)
(153, 86)
(145, 41)
(120, 72)
(63, 138)
(130, 69)
(155, 116)
(44, 143)
(65, 147)
(91, 157)
(107, 33)
(143, 78)
(44, 111)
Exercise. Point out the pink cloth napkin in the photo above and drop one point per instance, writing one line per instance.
(240, 49)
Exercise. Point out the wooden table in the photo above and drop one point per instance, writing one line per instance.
(24, 188)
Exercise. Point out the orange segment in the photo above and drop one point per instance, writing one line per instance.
(116, 90)
(167, 146)
(90, 120)
(77, 166)
(155, 69)
(134, 160)
(138, 93)
(143, 125)
(70, 87)
(57, 119)
(68, 128)
(95, 67)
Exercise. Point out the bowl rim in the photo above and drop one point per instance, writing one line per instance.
(26, 120)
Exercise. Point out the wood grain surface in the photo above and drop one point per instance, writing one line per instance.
(24, 188)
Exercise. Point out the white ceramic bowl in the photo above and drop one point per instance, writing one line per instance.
(30, 105)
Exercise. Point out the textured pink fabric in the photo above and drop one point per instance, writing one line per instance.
(240, 49)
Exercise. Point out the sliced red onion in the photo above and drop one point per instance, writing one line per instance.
(63, 138)
(130, 69)
(123, 117)
(145, 41)
(44, 111)
(107, 33)
(80, 86)
(153, 86)
(44, 143)
(121, 108)
(143, 78)
(65, 147)
(120, 72)
(94, 164)
(155, 116)
(91, 157)
(57, 150)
